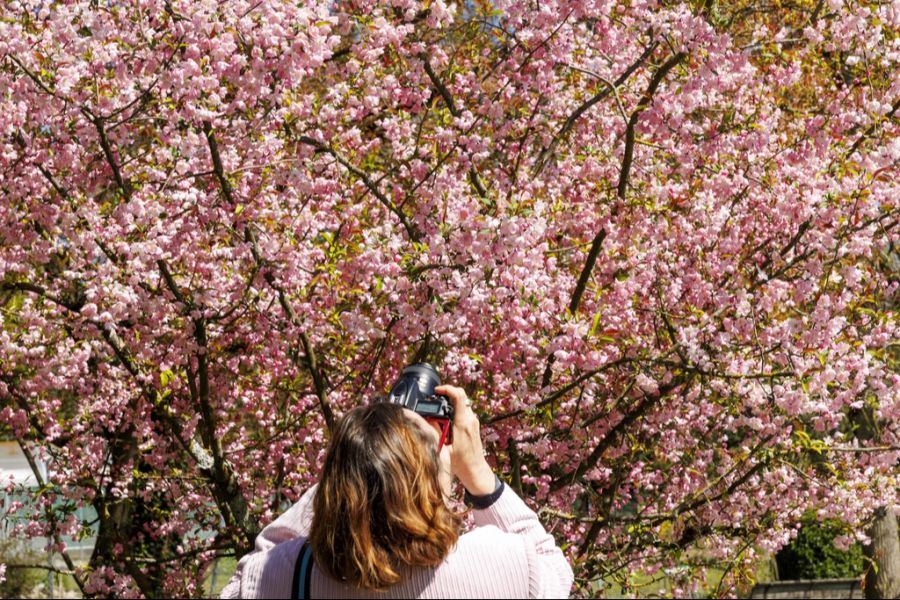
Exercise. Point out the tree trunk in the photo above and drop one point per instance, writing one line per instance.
(883, 570)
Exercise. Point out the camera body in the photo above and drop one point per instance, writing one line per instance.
(414, 389)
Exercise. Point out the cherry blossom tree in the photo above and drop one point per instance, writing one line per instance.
(647, 236)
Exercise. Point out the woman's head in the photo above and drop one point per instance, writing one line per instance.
(379, 504)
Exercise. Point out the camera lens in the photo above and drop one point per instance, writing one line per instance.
(426, 377)
(415, 384)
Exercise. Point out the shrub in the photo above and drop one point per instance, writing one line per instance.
(813, 555)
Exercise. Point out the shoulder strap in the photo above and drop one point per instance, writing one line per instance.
(302, 573)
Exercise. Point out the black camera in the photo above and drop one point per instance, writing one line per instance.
(414, 389)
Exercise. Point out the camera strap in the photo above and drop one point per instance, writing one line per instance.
(445, 426)
(302, 573)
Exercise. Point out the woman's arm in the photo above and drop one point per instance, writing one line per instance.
(549, 572)
(550, 575)
(293, 523)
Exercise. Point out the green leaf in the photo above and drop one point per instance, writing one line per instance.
(594, 324)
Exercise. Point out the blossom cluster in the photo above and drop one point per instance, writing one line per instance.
(656, 242)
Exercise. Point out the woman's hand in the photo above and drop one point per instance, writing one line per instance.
(467, 453)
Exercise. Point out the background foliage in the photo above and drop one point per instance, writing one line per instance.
(814, 555)
(651, 238)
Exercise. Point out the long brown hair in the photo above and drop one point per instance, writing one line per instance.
(379, 504)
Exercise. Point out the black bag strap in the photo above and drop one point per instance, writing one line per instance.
(302, 573)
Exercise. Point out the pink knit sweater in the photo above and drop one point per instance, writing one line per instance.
(508, 554)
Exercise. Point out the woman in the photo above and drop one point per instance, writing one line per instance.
(378, 526)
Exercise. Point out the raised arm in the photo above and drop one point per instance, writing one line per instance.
(550, 575)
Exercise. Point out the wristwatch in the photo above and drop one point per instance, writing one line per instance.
(482, 502)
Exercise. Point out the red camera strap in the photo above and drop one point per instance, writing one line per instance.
(445, 431)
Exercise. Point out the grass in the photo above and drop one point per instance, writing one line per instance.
(659, 585)
(218, 576)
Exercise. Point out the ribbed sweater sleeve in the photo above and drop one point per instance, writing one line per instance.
(549, 573)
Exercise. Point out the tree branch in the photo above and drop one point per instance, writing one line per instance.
(577, 293)
(218, 167)
(209, 424)
(50, 568)
(439, 86)
(566, 127)
(123, 184)
(702, 499)
(50, 516)
(555, 395)
(647, 403)
(250, 238)
(37, 80)
(65, 195)
(225, 490)
(643, 103)
(792, 243)
(474, 178)
(621, 189)
(309, 350)
(515, 465)
(170, 282)
(318, 381)
(411, 230)
(870, 130)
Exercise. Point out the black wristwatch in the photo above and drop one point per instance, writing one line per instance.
(482, 502)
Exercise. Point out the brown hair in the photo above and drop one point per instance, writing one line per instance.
(379, 504)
